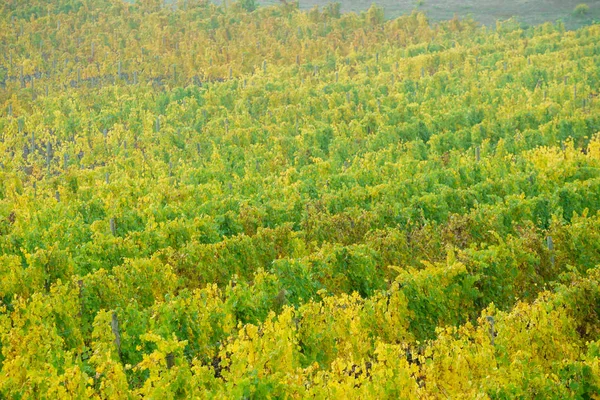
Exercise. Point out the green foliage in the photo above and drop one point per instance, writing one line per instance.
(332, 10)
(200, 201)
(248, 5)
(581, 9)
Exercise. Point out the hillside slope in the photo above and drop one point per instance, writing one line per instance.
(487, 12)
(202, 202)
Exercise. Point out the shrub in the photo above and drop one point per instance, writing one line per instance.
(581, 10)
(248, 5)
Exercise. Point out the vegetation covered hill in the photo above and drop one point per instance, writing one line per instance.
(574, 13)
(200, 201)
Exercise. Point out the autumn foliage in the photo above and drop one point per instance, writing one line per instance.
(202, 201)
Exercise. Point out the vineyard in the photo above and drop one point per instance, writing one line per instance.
(223, 201)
